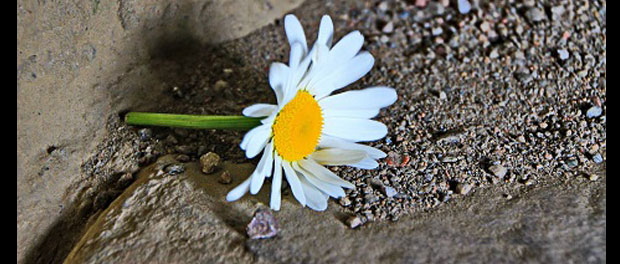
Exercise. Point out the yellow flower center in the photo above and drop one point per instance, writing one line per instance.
(297, 128)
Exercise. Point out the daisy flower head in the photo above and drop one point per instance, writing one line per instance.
(310, 127)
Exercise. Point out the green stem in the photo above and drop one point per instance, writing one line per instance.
(192, 121)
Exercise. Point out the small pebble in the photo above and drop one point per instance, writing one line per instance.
(370, 198)
(375, 183)
(597, 158)
(174, 169)
(420, 3)
(494, 54)
(485, 26)
(388, 28)
(535, 14)
(145, 134)
(582, 73)
(563, 53)
(384, 39)
(573, 162)
(209, 162)
(498, 170)
(464, 6)
(403, 15)
(221, 84)
(354, 221)
(529, 182)
(383, 6)
(556, 12)
(224, 178)
(177, 92)
(594, 111)
(548, 156)
(419, 16)
(596, 101)
(263, 224)
(389, 191)
(449, 159)
(592, 177)
(344, 201)
(435, 8)
(593, 149)
(519, 29)
(463, 188)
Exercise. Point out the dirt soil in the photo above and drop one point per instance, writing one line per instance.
(496, 145)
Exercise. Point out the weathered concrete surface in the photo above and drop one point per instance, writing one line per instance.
(78, 63)
(177, 218)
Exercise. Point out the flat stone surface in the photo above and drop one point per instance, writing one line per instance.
(184, 218)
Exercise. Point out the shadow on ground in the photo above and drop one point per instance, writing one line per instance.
(174, 52)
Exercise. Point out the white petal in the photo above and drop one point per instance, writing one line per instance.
(322, 90)
(278, 76)
(295, 32)
(323, 173)
(300, 72)
(238, 191)
(297, 53)
(336, 156)
(366, 163)
(262, 169)
(338, 56)
(352, 113)
(250, 135)
(293, 181)
(326, 31)
(344, 74)
(268, 167)
(334, 142)
(319, 55)
(257, 142)
(315, 199)
(269, 120)
(296, 72)
(346, 48)
(328, 188)
(369, 98)
(276, 184)
(259, 110)
(354, 69)
(354, 129)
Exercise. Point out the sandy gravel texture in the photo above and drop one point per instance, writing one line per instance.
(497, 144)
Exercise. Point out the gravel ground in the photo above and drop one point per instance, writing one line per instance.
(501, 114)
(500, 100)
(507, 93)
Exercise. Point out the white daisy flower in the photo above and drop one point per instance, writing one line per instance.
(309, 127)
